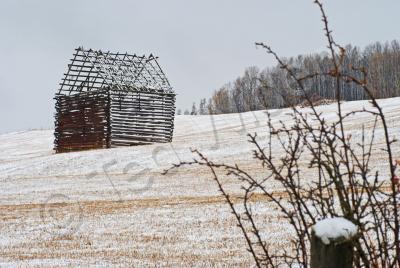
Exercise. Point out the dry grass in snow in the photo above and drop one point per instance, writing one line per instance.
(114, 208)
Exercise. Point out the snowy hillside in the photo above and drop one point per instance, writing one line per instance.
(113, 207)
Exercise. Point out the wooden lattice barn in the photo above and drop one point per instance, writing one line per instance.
(111, 99)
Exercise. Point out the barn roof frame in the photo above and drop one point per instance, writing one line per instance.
(94, 69)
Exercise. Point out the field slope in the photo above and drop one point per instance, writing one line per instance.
(114, 208)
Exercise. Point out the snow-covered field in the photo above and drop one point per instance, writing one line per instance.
(114, 208)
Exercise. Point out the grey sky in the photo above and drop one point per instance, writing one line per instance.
(201, 44)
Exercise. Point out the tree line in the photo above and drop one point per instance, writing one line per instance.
(273, 88)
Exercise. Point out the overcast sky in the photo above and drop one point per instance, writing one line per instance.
(201, 44)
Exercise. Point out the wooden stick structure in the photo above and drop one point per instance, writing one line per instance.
(110, 99)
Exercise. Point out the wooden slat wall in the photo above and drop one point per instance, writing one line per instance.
(110, 118)
(141, 117)
(81, 121)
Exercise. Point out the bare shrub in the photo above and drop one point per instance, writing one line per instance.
(346, 183)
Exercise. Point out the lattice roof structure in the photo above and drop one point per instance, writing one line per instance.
(90, 70)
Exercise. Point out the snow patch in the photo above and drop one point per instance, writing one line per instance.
(333, 228)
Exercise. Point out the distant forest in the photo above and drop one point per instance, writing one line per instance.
(272, 88)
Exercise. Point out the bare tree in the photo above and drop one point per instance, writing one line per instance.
(203, 107)
(194, 109)
(220, 101)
